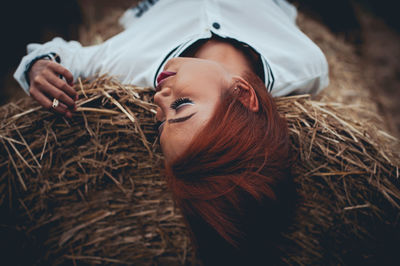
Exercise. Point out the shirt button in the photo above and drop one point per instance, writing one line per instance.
(216, 25)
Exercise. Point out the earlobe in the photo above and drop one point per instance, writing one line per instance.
(247, 94)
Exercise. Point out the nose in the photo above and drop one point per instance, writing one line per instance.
(161, 95)
(161, 100)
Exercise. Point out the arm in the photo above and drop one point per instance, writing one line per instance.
(46, 80)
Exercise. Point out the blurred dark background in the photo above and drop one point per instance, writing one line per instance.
(25, 22)
(372, 26)
(342, 18)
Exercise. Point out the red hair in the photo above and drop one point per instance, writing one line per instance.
(236, 162)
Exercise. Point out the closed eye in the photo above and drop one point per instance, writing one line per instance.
(180, 102)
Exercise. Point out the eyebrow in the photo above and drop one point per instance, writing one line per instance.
(181, 119)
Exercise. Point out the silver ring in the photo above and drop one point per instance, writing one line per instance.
(55, 103)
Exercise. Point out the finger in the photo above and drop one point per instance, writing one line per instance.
(62, 85)
(40, 98)
(62, 109)
(54, 92)
(59, 69)
(46, 103)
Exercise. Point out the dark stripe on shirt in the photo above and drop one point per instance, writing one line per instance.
(162, 63)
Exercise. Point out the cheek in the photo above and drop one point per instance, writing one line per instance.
(207, 111)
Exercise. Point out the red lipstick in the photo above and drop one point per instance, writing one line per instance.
(163, 75)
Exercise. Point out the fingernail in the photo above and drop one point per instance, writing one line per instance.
(68, 114)
(76, 97)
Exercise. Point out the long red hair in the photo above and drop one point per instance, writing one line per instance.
(239, 160)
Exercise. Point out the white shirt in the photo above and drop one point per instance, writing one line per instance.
(158, 30)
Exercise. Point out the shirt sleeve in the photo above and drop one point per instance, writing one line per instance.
(135, 12)
(313, 78)
(288, 9)
(80, 61)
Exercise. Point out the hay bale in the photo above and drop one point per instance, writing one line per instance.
(89, 189)
(91, 185)
(347, 175)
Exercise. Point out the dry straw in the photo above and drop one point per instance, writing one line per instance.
(91, 187)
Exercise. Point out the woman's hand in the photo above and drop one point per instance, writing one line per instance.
(46, 85)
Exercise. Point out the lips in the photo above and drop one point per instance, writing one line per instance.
(163, 75)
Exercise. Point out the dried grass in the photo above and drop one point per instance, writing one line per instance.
(89, 189)
(347, 175)
(93, 183)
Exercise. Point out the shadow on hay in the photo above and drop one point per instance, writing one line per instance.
(90, 189)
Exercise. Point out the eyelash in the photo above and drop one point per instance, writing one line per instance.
(178, 102)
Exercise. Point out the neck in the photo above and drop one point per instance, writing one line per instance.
(223, 52)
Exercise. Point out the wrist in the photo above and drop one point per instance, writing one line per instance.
(49, 56)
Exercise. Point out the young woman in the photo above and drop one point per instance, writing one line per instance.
(215, 65)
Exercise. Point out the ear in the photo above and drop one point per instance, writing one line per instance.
(247, 94)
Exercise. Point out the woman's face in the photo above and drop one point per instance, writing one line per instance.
(188, 92)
